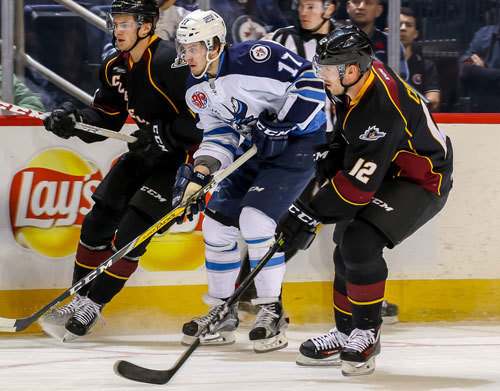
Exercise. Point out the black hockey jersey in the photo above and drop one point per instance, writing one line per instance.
(390, 135)
(148, 90)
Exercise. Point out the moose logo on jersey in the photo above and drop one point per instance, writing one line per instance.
(239, 111)
(199, 99)
(371, 134)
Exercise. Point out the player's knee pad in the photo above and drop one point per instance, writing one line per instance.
(133, 223)
(258, 230)
(361, 250)
(99, 225)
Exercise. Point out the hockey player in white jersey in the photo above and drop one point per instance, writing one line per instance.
(271, 97)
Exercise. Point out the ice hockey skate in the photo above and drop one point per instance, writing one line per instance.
(390, 312)
(86, 315)
(53, 322)
(222, 332)
(358, 356)
(268, 330)
(322, 351)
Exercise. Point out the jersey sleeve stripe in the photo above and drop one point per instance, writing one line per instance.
(350, 193)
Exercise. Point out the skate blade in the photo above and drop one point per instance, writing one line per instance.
(277, 342)
(70, 337)
(224, 338)
(390, 319)
(351, 368)
(332, 361)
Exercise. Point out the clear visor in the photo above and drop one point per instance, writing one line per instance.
(188, 49)
(327, 72)
(113, 25)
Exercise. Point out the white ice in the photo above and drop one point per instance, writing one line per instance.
(423, 356)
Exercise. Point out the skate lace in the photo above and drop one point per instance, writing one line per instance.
(266, 315)
(333, 339)
(359, 339)
(71, 307)
(211, 316)
(87, 311)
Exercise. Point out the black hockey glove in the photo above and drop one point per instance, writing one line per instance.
(62, 121)
(188, 182)
(153, 140)
(298, 226)
(271, 138)
(329, 160)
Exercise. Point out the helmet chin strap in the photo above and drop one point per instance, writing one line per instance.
(209, 61)
(347, 86)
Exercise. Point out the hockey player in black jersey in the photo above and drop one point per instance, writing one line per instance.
(136, 80)
(388, 171)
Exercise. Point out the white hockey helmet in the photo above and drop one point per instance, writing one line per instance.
(202, 26)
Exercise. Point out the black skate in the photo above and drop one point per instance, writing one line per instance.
(53, 322)
(268, 330)
(223, 331)
(322, 351)
(84, 319)
(358, 356)
(390, 312)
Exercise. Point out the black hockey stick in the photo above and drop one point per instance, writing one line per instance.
(144, 375)
(15, 325)
(78, 125)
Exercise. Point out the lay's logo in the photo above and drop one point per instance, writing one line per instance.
(49, 199)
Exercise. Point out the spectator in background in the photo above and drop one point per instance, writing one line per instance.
(362, 14)
(423, 72)
(23, 96)
(479, 70)
(315, 18)
(171, 14)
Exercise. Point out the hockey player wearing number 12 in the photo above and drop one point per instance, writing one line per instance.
(389, 171)
(137, 191)
(271, 96)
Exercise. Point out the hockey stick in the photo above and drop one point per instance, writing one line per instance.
(145, 375)
(79, 125)
(15, 325)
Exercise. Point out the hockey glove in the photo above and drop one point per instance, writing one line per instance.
(298, 226)
(188, 182)
(153, 140)
(62, 121)
(329, 160)
(271, 138)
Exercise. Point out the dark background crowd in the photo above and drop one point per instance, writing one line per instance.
(461, 38)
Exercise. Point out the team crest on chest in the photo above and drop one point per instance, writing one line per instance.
(372, 133)
(199, 99)
(260, 53)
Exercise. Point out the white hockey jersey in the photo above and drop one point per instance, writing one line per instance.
(254, 76)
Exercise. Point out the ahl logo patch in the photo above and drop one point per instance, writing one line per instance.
(260, 53)
(199, 99)
(372, 133)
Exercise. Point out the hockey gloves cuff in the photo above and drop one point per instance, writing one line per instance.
(62, 121)
(298, 226)
(153, 140)
(329, 160)
(187, 183)
(271, 138)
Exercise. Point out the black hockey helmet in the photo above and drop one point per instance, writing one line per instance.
(345, 45)
(135, 7)
(144, 11)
